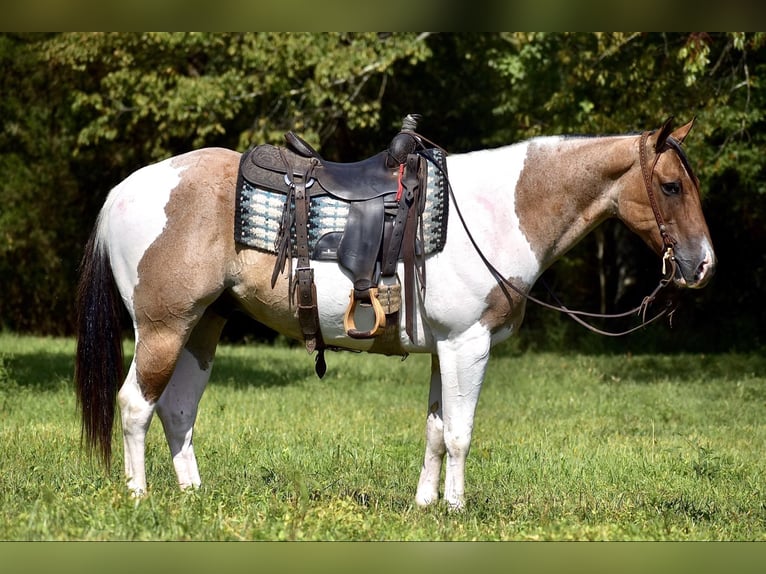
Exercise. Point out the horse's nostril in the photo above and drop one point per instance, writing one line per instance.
(704, 269)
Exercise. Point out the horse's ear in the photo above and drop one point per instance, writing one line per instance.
(681, 133)
(663, 134)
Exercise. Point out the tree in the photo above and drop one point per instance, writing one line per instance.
(40, 209)
(86, 109)
(83, 110)
(607, 83)
(162, 93)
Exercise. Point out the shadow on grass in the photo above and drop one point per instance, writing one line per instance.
(252, 371)
(262, 365)
(41, 369)
(38, 370)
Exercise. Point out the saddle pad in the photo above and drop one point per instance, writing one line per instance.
(259, 212)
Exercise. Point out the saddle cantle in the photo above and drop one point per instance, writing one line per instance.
(364, 215)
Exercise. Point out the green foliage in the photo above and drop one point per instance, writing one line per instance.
(40, 204)
(172, 90)
(612, 82)
(82, 110)
(566, 447)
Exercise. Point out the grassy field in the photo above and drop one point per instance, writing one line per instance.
(566, 447)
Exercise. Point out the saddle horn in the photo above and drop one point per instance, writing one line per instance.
(404, 143)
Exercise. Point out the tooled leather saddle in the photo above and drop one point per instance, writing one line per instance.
(384, 195)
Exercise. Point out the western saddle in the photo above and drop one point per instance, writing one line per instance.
(385, 195)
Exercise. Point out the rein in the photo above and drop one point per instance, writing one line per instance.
(668, 260)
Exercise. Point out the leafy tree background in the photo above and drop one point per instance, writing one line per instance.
(80, 111)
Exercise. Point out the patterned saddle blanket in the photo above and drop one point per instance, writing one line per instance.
(259, 215)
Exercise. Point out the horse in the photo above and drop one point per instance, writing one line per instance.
(163, 247)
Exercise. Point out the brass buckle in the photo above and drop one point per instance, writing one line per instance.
(669, 256)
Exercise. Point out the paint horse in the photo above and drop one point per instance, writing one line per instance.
(164, 244)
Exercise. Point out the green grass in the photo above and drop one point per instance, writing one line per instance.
(566, 447)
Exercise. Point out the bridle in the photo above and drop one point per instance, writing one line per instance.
(668, 241)
(669, 265)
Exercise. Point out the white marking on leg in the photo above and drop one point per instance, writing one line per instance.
(136, 414)
(177, 409)
(430, 474)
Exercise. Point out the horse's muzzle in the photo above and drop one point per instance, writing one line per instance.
(695, 273)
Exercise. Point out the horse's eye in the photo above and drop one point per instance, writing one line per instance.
(671, 187)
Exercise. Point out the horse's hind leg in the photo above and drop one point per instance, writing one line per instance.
(177, 407)
(430, 474)
(135, 414)
(156, 355)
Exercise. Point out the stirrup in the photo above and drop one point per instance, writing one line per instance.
(380, 317)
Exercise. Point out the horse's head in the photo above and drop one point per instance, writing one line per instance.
(662, 205)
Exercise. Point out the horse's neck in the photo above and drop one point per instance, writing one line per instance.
(546, 192)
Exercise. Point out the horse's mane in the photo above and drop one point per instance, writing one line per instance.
(671, 142)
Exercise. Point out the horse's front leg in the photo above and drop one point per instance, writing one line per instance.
(430, 474)
(463, 363)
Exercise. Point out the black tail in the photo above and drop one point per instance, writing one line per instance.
(99, 365)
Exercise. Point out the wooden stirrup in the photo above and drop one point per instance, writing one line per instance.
(380, 317)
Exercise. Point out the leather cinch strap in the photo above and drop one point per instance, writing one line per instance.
(308, 312)
(412, 182)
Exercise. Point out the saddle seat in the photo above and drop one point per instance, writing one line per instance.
(356, 181)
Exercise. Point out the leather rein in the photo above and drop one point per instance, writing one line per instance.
(669, 265)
